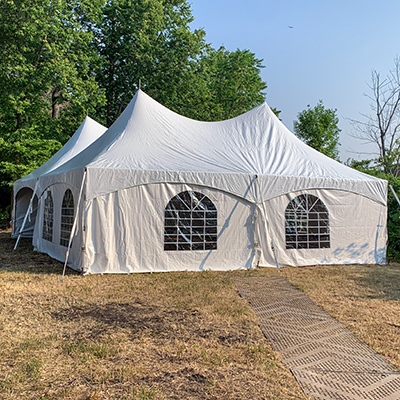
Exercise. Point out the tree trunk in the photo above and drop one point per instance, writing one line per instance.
(55, 107)
(19, 120)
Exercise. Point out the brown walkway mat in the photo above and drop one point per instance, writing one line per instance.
(328, 361)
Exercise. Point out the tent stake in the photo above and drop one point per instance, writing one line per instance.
(28, 211)
(73, 226)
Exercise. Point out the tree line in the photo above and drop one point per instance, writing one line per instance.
(63, 59)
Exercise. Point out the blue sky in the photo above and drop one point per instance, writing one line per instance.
(329, 54)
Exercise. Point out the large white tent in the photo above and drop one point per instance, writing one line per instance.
(86, 134)
(161, 192)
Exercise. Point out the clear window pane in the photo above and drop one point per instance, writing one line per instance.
(47, 233)
(307, 223)
(190, 223)
(67, 217)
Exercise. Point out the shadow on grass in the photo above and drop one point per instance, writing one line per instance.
(25, 260)
(141, 318)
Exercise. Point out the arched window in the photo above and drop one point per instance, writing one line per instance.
(190, 223)
(48, 217)
(307, 223)
(67, 217)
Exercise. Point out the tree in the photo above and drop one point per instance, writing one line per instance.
(147, 40)
(45, 72)
(19, 158)
(318, 127)
(46, 83)
(234, 82)
(151, 41)
(222, 85)
(383, 126)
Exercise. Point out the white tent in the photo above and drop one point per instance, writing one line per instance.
(86, 134)
(161, 192)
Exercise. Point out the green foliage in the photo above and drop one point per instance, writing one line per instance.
(234, 82)
(147, 40)
(46, 82)
(393, 223)
(45, 66)
(17, 159)
(21, 157)
(221, 85)
(276, 112)
(390, 162)
(318, 127)
(151, 41)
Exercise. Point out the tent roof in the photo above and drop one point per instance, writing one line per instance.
(148, 136)
(88, 132)
(151, 143)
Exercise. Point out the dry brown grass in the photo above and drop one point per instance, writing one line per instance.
(142, 336)
(166, 336)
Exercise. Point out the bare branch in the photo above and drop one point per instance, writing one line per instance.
(383, 128)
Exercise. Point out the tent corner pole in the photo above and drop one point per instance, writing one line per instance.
(394, 193)
(73, 226)
(28, 211)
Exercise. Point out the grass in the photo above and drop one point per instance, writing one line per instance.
(165, 336)
(140, 336)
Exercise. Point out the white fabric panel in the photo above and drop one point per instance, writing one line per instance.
(103, 181)
(358, 231)
(72, 178)
(22, 201)
(53, 248)
(125, 232)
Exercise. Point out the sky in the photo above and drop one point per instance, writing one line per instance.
(328, 55)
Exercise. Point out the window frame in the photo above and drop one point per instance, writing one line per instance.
(67, 217)
(48, 217)
(307, 223)
(190, 223)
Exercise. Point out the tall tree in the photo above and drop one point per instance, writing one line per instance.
(147, 40)
(151, 41)
(382, 127)
(45, 66)
(46, 83)
(222, 85)
(236, 84)
(318, 127)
